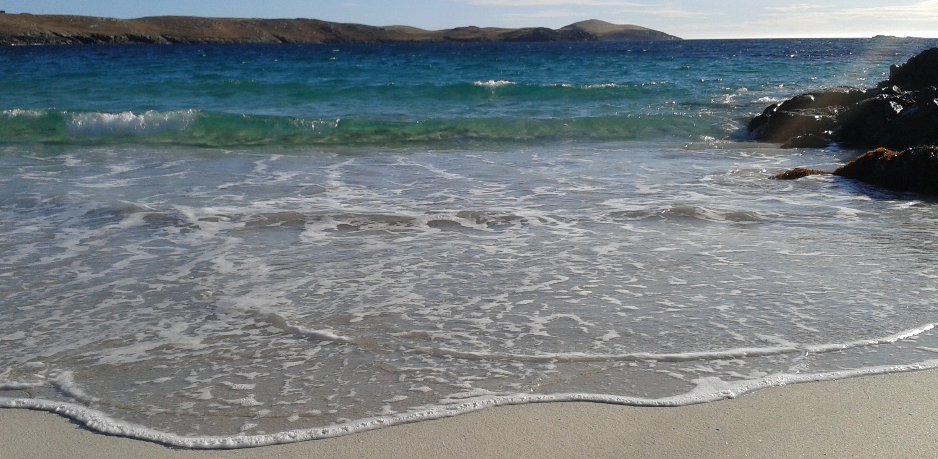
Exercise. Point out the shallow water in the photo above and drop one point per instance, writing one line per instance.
(155, 279)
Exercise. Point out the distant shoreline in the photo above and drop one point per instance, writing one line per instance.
(29, 29)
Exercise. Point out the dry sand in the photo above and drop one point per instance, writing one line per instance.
(875, 416)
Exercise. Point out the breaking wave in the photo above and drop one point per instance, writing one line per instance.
(208, 129)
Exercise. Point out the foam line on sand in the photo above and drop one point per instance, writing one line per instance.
(874, 416)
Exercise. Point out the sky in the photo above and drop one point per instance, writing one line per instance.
(699, 19)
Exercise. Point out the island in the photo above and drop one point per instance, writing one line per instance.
(29, 29)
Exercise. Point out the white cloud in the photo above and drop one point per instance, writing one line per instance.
(667, 12)
(926, 11)
(799, 8)
(541, 14)
(850, 21)
(918, 18)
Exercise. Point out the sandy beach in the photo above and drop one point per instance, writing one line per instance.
(874, 416)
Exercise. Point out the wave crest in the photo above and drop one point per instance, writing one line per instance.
(493, 83)
(127, 123)
(208, 129)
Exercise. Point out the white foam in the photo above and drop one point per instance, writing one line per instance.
(65, 383)
(333, 284)
(903, 335)
(24, 113)
(493, 83)
(21, 386)
(736, 353)
(601, 86)
(323, 334)
(769, 100)
(128, 123)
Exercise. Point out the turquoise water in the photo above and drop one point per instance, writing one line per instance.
(223, 246)
(231, 96)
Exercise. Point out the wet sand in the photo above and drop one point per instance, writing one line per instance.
(873, 416)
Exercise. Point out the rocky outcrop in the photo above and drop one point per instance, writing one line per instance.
(919, 72)
(27, 29)
(798, 173)
(901, 112)
(911, 170)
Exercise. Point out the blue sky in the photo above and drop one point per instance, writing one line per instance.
(684, 18)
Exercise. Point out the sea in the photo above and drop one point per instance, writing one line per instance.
(224, 246)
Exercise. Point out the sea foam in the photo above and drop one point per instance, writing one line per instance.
(128, 123)
(494, 83)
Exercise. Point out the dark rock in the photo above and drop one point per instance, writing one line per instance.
(781, 126)
(929, 95)
(807, 141)
(807, 114)
(865, 123)
(798, 173)
(916, 125)
(888, 91)
(918, 72)
(761, 120)
(833, 97)
(800, 102)
(913, 169)
(900, 112)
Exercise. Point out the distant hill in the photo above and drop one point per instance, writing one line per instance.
(605, 31)
(28, 29)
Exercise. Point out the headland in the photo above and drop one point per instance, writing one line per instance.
(29, 29)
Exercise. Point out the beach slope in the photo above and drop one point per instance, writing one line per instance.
(874, 416)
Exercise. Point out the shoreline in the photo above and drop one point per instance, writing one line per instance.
(867, 416)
